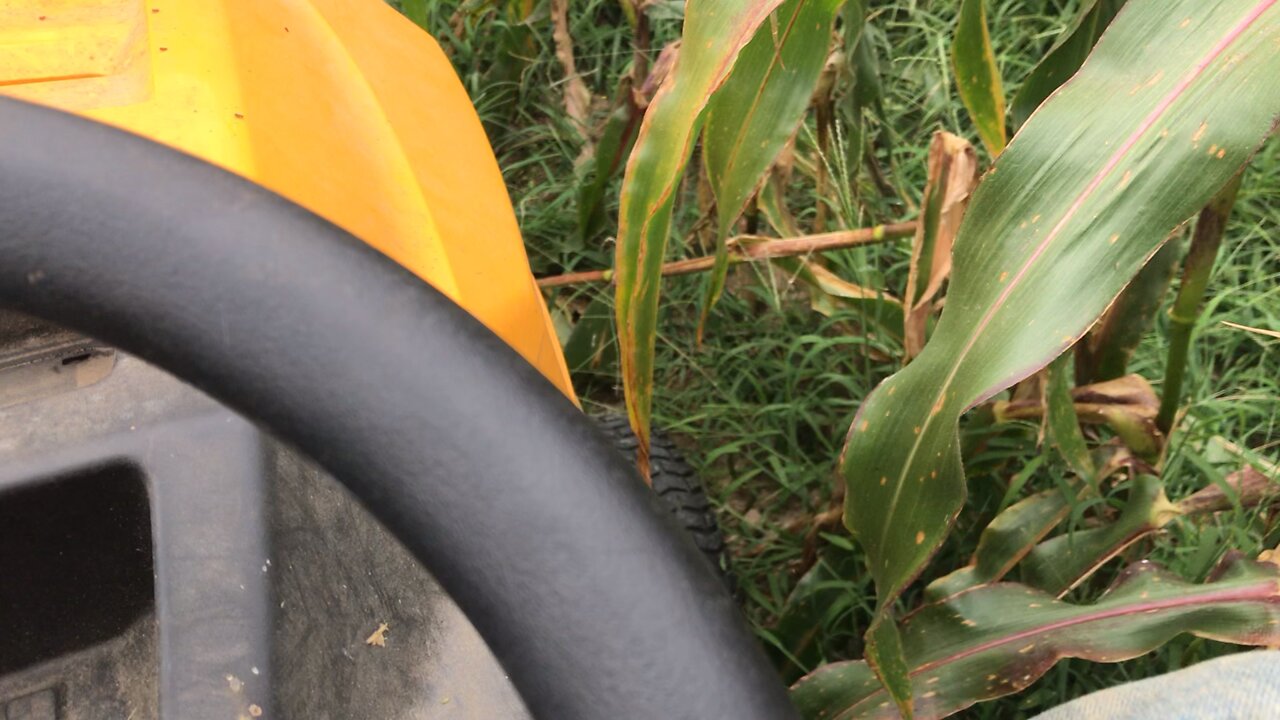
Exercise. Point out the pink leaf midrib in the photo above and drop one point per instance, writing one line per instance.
(1265, 591)
(1148, 122)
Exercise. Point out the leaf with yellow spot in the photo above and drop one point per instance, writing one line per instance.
(996, 640)
(715, 31)
(1044, 215)
(977, 77)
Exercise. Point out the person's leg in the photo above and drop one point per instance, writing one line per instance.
(1244, 686)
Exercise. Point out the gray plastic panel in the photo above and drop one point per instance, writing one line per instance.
(269, 578)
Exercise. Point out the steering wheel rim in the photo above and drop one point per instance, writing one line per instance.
(592, 602)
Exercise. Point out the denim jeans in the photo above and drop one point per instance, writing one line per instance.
(1244, 686)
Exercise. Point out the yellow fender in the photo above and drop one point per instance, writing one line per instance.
(342, 106)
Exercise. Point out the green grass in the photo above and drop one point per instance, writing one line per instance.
(763, 405)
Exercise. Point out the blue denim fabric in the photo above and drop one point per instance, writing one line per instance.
(1244, 686)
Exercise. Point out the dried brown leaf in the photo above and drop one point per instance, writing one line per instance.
(953, 172)
(1255, 330)
(577, 98)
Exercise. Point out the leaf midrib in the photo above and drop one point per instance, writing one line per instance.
(1263, 591)
(1147, 124)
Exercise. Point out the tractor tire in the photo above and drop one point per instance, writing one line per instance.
(679, 490)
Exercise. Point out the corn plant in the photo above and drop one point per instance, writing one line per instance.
(1076, 218)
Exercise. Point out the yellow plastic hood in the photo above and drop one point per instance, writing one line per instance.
(342, 106)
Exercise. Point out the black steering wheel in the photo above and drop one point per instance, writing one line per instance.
(593, 603)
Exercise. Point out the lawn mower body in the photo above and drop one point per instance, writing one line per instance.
(159, 556)
(162, 558)
(341, 106)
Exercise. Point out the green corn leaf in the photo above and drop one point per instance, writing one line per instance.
(1017, 531)
(715, 31)
(755, 113)
(1008, 539)
(1175, 99)
(866, 92)
(871, 52)
(977, 77)
(855, 22)
(1059, 564)
(415, 10)
(1063, 423)
(822, 599)
(1105, 352)
(616, 140)
(590, 344)
(1064, 58)
(998, 639)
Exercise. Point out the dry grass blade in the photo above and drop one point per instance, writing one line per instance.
(1254, 330)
